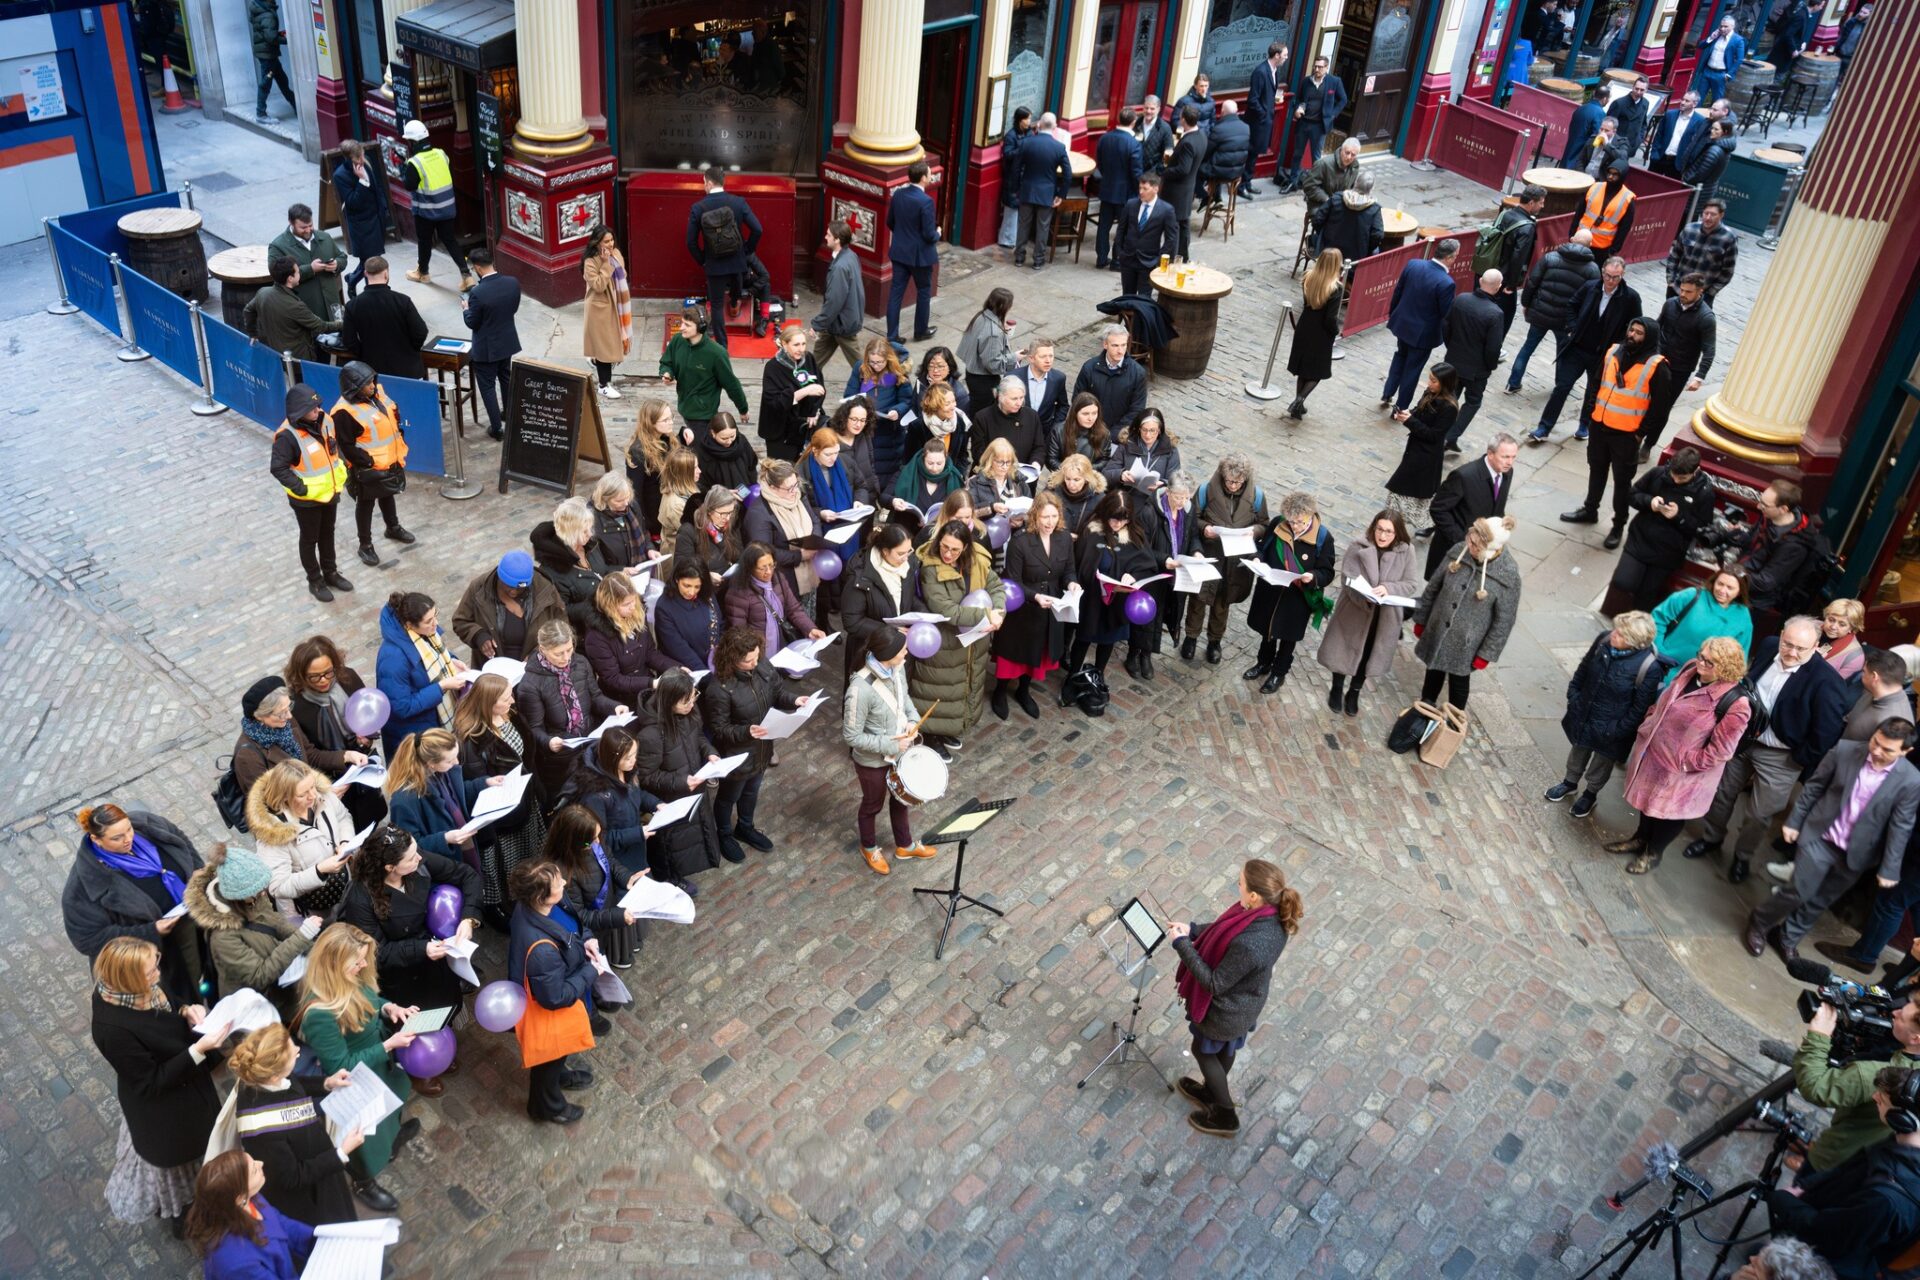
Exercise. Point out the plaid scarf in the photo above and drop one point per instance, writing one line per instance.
(152, 999)
(569, 696)
(623, 305)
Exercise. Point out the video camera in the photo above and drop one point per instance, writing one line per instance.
(1864, 1031)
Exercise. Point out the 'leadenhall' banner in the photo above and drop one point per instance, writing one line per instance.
(1475, 147)
(1370, 292)
(1547, 112)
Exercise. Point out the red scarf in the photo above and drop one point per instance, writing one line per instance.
(1212, 945)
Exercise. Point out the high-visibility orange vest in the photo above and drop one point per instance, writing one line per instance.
(380, 436)
(1622, 403)
(1603, 222)
(319, 467)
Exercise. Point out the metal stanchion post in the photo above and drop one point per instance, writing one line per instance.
(186, 194)
(1777, 227)
(131, 351)
(1265, 388)
(1425, 163)
(292, 367)
(455, 484)
(1512, 177)
(62, 307)
(208, 406)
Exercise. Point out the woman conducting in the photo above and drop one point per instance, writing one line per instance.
(1226, 969)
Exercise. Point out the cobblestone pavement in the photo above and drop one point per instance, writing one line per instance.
(1477, 1031)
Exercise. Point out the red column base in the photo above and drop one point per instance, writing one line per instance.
(980, 212)
(333, 111)
(1426, 106)
(1652, 61)
(547, 207)
(857, 193)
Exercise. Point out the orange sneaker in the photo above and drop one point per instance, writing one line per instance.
(918, 851)
(876, 860)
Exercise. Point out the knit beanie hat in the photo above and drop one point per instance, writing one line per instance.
(257, 693)
(241, 875)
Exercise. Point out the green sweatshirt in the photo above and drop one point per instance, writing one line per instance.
(700, 372)
(1848, 1091)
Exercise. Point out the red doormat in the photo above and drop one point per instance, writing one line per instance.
(741, 344)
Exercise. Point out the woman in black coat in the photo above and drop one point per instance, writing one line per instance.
(564, 549)
(1297, 543)
(560, 699)
(606, 783)
(671, 751)
(881, 582)
(1109, 545)
(494, 741)
(1164, 520)
(619, 645)
(282, 1126)
(596, 881)
(1411, 487)
(319, 682)
(130, 872)
(713, 534)
(1310, 360)
(392, 881)
(726, 457)
(744, 687)
(791, 396)
(686, 620)
(1607, 698)
(1028, 645)
(620, 536)
(164, 1080)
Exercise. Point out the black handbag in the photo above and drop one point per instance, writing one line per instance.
(322, 900)
(1087, 689)
(1412, 728)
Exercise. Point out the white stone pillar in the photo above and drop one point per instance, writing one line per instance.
(1073, 99)
(1187, 42)
(889, 85)
(547, 36)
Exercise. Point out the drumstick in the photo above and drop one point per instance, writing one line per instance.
(923, 718)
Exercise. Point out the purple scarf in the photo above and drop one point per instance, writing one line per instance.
(770, 595)
(606, 876)
(569, 696)
(142, 862)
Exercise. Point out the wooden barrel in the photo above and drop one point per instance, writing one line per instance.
(242, 272)
(1566, 189)
(1621, 76)
(1797, 148)
(1753, 74)
(164, 246)
(1586, 67)
(1571, 90)
(1821, 73)
(1539, 71)
(1193, 309)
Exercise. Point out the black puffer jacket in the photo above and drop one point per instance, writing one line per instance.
(1605, 703)
(733, 705)
(560, 566)
(1653, 538)
(1548, 297)
(866, 604)
(669, 753)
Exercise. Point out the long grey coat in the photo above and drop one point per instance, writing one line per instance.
(1459, 628)
(1240, 982)
(1345, 636)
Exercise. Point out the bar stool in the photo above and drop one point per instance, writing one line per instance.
(1225, 209)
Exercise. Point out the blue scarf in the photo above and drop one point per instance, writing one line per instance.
(606, 876)
(142, 862)
(268, 739)
(832, 490)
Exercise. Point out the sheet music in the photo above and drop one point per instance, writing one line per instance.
(495, 803)
(1142, 475)
(350, 1251)
(372, 773)
(720, 768)
(1135, 585)
(358, 838)
(908, 619)
(842, 534)
(1018, 506)
(1066, 606)
(511, 668)
(246, 1009)
(1367, 589)
(1278, 577)
(672, 811)
(857, 512)
(977, 632)
(460, 959)
(1193, 572)
(784, 724)
(1237, 542)
(795, 661)
(649, 899)
(365, 1101)
(294, 972)
(611, 722)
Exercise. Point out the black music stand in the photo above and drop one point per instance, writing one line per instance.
(961, 826)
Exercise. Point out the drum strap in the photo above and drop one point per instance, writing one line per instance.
(885, 690)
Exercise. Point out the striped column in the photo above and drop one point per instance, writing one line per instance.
(889, 88)
(1861, 178)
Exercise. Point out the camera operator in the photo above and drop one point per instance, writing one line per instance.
(1847, 1090)
(1784, 1258)
(1865, 1212)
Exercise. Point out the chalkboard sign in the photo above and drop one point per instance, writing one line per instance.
(402, 94)
(488, 129)
(553, 424)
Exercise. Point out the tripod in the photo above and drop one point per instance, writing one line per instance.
(1123, 1053)
(971, 817)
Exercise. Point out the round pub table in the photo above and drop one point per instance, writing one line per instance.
(1566, 189)
(242, 272)
(1398, 225)
(1080, 163)
(163, 244)
(1193, 309)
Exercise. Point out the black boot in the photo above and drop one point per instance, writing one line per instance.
(1612, 539)
(368, 556)
(1262, 664)
(1353, 701)
(1146, 664)
(1023, 695)
(999, 699)
(1333, 694)
(318, 586)
(1187, 647)
(1213, 652)
(1298, 409)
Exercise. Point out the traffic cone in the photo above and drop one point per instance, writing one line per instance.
(174, 104)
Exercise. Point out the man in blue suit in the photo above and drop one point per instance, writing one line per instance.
(1263, 96)
(915, 232)
(1720, 60)
(1318, 103)
(1149, 231)
(1417, 318)
(721, 251)
(1117, 162)
(1679, 136)
(491, 305)
(1040, 180)
(1580, 130)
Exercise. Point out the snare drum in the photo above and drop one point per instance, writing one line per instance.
(919, 775)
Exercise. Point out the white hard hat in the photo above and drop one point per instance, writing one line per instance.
(414, 132)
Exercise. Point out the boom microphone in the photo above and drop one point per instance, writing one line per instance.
(1809, 972)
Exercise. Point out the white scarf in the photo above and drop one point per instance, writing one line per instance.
(893, 579)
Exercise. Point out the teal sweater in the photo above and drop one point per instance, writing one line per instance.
(700, 373)
(1680, 640)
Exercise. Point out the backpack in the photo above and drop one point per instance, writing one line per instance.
(721, 230)
(228, 798)
(1490, 250)
(1757, 710)
(1810, 579)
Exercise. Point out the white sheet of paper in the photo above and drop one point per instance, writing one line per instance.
(908, 619)
(608, 989)
(784, 724)
(294, 972)
(1031, 473)
(649, 899)
(1359, 583)
(721, 768)
(1066, 607)
(1236, 542)
(1278, 577)
(342, 1252)
(976, 633)
(1017, 506)
(370, 774)
(1135, 585)
(1192, 572)
(814, 648)
(795, 661)
(358, 838)
(701, 674)
(179, 909)
(1142, 475)
(384, 1230)
(599, 963)
(495, 803)
(672, 811)
(511, 668)
(841, 534)
(460, 958)
(366, 1101)
(246, 1009)
(858, 511)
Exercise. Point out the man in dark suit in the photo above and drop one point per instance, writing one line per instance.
(1149, 230)
(1797, 26)
(1046, 395)
(491, 305)
(384, 328)
(1155, 134)
(1475, 328)
(1183, 173)
(1679, 135)
(1040, 173)
(1806, 704)
(1854, 815)
(721, 254)
(915, 232)
(1602, 310)
(1472, 491)
(1117, 164)
(1012, 419)
(1630, 109)
(1317, 104)
(1580, 130)
(1263, 98)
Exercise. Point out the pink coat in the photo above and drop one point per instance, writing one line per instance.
(1680, 753)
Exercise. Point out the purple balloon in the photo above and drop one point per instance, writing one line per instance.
(498, 1006)
(753, 491)
(998, 531)
(1016, 596)
(978, 598)
(828, 565)
(367, 710)
(923, 640)
(1141, 608)
(443, 911)
(430, 1054)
